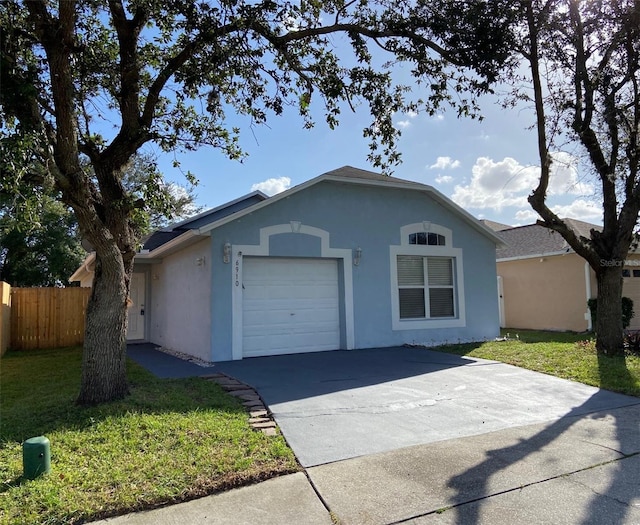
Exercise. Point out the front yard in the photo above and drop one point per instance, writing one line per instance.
(171, 440)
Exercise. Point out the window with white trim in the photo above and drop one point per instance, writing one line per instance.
(426, 287)
(427, 279)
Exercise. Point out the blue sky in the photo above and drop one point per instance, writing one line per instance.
(487, 167)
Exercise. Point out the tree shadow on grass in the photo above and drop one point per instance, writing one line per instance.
(41, 401)
(610, 504)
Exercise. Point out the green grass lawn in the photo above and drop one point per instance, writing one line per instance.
(170, 440)
(562, 354)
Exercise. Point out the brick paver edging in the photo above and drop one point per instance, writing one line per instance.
(259, 417)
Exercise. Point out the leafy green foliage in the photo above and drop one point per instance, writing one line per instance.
(41, 248)
(627, 311)
(159, 202)
(39, 236)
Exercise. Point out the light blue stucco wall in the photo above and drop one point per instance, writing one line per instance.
(368, 217)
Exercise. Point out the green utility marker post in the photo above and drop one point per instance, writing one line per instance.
(36, 457)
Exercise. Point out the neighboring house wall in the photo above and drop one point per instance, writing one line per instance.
(346, 217)
(631, 287)
(546, 293)
(180, 291)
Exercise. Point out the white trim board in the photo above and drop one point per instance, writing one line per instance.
(262, 250)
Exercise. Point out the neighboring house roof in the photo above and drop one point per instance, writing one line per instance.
(495, 226)
(533, 240)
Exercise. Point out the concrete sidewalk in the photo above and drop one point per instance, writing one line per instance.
(575, 470)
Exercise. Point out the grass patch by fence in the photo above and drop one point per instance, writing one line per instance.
(169, 441)
(563, 354)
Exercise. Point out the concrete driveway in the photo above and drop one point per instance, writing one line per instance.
(339, 405)
(492, 444)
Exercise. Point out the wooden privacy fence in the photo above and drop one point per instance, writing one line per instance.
(5, 316)
(47, 317)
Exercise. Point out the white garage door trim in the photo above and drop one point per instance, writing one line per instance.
(289, 306)
(262, 249)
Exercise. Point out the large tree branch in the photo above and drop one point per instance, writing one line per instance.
(405, 33)
(537, 199)
(57, 38)
(128, 32)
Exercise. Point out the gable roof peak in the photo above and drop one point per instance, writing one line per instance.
(349, 172)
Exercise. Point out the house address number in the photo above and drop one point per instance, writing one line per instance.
(237, 269)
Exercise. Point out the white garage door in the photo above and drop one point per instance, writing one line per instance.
(289, 306)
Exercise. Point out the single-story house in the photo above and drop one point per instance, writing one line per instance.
(544, 285)
(350, 259)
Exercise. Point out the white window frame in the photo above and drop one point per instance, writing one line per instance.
(427, 251)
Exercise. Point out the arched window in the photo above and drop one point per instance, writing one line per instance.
(427, 239)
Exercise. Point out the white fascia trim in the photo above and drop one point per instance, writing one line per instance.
(537, 256)
(438, 197)
(262, 250)
(83, 268)
(426, 251)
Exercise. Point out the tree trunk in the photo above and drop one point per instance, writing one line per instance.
(104, 375)
(609, 332)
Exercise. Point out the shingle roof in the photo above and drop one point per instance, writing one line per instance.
(356, 173)
(160, 237)
(534, 240)
(495, 226)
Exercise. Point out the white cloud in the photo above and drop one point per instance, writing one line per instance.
(564, 176)
(272, 186)
(527, 216)
(579, 209)
(444, 179)
(496, 184)
(443, 163)
(508, 183)
(407, 121)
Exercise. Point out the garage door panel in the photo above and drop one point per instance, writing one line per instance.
(290, 306)
(289, 291)
(286, 343)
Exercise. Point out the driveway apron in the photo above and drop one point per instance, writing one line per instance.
(338, 405)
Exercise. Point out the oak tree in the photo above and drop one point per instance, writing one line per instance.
(584, 68)
(91, 82)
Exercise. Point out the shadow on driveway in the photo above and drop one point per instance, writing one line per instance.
(337, 405)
